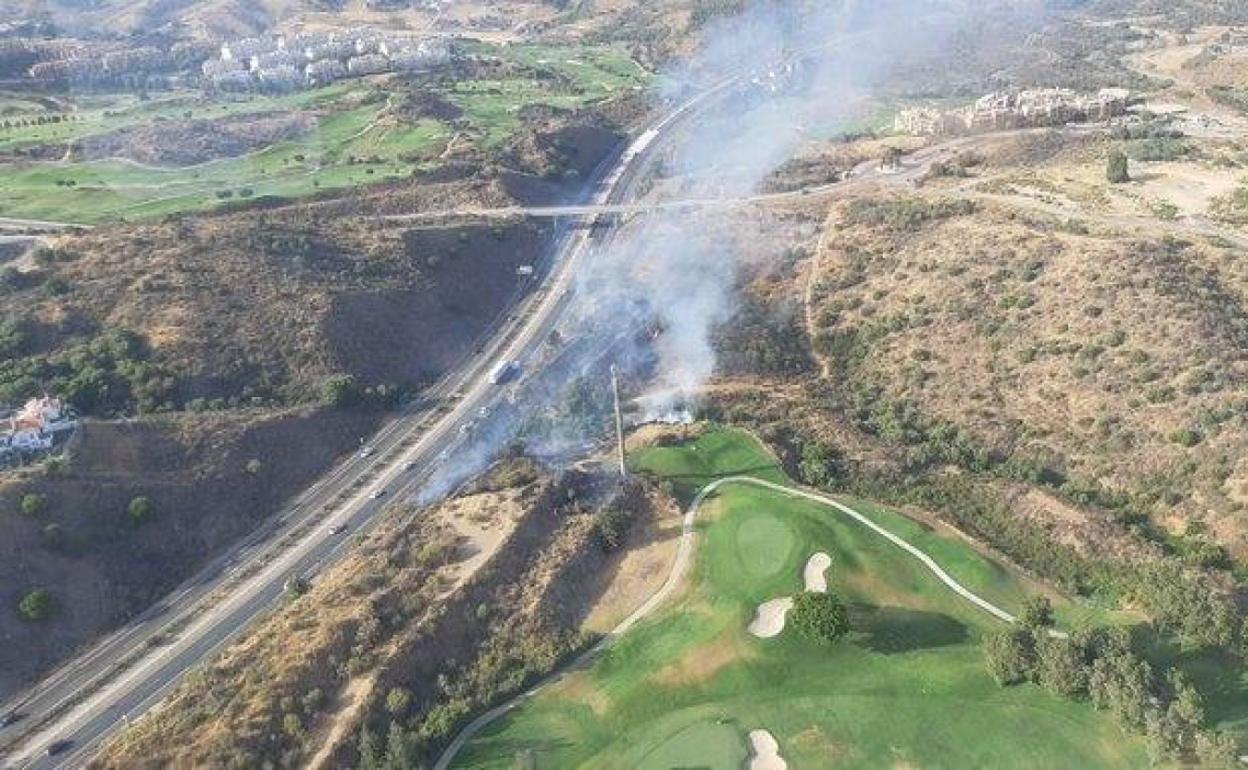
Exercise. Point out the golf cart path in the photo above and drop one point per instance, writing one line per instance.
(684, 555)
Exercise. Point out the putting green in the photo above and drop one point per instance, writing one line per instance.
(907, 688)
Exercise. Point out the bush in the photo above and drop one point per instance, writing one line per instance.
(611, 525)
(36, 606)
(1037, 612)
(1116, 169)
(342, 391)
(819, 617)
(140, 510)
(1186, 437)
(398, 701)
(1011, 655)
(33, 504)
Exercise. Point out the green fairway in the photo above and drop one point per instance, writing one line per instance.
(908, 688)
(360, 137)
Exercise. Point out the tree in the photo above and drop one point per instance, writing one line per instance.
(1217, 749)
(1011, 655)
(36, 606)
(1037, 612)
(400, 753)
(342, 391)
(33, 504)
(398, 701)
(820, 617)
(140, 509)
(371, 757)
(821, 464)
(1062, 668)
(1117, 169)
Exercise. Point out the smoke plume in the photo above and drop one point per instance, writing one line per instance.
(800, 70)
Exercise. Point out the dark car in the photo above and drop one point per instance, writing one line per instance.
(10, 718)
(59, 747)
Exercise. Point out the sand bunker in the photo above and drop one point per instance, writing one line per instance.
(765, 752)
(769, 618)
(813, 574)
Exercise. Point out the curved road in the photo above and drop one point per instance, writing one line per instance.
(680, 565)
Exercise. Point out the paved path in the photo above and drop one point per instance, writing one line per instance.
(684, 556)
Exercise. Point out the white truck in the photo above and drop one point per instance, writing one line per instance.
(504, 372)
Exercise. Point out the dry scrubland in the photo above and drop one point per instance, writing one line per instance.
(1118, 359)
(210, 479)
(434, 615)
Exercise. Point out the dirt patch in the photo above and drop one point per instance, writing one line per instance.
(352, 700)
(421, 105)
(701, 663)
(188, 142)
(641, 568)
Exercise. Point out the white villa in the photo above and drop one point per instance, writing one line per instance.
(35, 427)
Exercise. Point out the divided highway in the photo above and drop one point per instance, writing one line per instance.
(64, 719)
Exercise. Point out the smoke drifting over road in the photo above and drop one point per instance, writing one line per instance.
(812, 67)
(803, 69)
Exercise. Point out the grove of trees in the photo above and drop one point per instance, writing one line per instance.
(1102, 667)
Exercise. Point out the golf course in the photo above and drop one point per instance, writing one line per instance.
(351, 134)
(690, 686)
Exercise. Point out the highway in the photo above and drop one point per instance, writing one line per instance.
(126, 674)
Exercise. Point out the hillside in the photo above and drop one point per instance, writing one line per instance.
(435, 614)
(208, 480)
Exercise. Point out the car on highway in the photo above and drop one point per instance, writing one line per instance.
(366, 452)
(409, 465)
(59, 747)
(377, 494)
(10, 718)
(338, 529)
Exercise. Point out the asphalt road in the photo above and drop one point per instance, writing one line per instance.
(126, 674)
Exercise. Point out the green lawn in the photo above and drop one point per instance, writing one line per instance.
(353, 122)
(908, 689)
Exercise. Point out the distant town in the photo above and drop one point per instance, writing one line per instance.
(1007, 110)
(271, 62)
(312, 59)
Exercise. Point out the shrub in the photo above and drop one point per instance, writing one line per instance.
(1116, 169)
(342, 391)
(36, 606)
(139, 510)
(1186, 437)
(1037, 612)
(611, 525)
(1010, 655)
(819, 617)
(33, 504)
(398, 701)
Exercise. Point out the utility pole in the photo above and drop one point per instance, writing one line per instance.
(619, 421)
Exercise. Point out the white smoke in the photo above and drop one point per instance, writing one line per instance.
(802, 69)
(807, 70)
